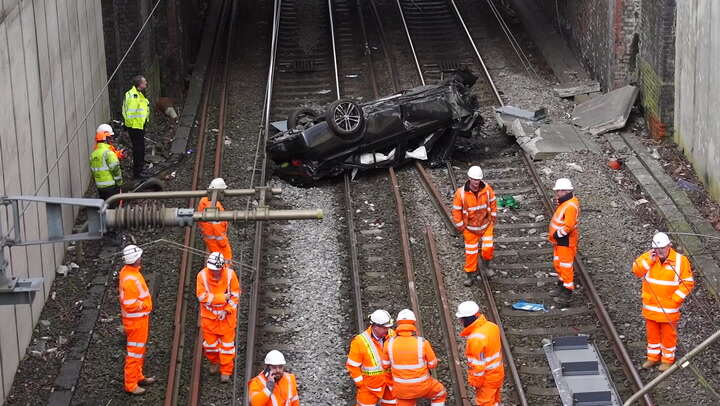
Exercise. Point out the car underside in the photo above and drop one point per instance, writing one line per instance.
(418, 123)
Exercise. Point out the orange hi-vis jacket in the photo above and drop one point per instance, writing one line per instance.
(364, 361)
(135, 299)
(665, 285)
(410, 359)
(212, 230)
(565, 221)
(474, 212)
(484, 353)
(211, 294)
(284, 394)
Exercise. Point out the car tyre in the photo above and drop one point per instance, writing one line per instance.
(345, 117)
(303, 116)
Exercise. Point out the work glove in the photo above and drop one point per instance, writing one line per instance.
(562, 240)
(221, 315)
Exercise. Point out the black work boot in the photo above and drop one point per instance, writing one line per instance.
(558, 289)
(470, 277)
(489, 272)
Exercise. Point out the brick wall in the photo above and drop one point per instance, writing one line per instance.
(657, 65)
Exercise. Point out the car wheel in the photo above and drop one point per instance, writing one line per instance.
(345, 118)
(302, 117)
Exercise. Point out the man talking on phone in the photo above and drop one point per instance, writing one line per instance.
(273, 386)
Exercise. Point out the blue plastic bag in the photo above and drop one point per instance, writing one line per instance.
(529, 307)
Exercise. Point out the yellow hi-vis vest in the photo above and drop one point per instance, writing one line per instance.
(105, 166)
(135, 109)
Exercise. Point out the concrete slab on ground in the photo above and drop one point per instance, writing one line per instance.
(681, 215)
(607, 112)
(544, 141)
(575, 89)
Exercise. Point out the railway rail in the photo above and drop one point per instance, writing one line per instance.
(519, 241)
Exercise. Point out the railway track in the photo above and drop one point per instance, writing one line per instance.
(523, 255)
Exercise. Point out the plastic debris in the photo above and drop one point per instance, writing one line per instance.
(325, 91)
(508, 201)
(689, 186)
(640, 201)
(574, 166)
(62, 270)
(529, 307)
(615, 163)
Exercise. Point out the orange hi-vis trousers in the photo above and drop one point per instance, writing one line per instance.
(487, 396)
(367, 397)
(475, 243)
(219, 244)
(136, 330)
(435, 391)
(661, 341)
(219, 343)
(563, 259)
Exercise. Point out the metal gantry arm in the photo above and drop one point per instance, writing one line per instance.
(101, 219)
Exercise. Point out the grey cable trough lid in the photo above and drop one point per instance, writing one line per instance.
(580, 374)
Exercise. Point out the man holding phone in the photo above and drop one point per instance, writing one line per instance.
(667, 281)
(273, 386)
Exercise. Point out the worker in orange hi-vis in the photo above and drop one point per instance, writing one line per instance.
(474, 214)
(667, 281)
(273, 386)
(214, 233)
(563, 234)
(136, 305)
(364, 361)
(410, 358)
(484, 354)
(218, 292)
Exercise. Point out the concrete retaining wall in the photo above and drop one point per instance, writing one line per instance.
(697, 79)
(602, 33)
(52, 66)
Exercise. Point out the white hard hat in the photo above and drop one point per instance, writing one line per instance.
(274, 357)
(563, 184)
(215, 261)
(406, 314)
(131, 254)
(382, 318)
(475, 172)
(105, 128)
(217, 183)
(467, 309)
(660, 240)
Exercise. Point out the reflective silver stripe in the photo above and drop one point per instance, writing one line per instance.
(471, 245)
(459, 224)
(134, 355)
(566, 264)
(213, 237)
(373, 351)
(230, 344)
(493, 365)
(478, 373)
(569, 284)
(661, 309)
(671, 349)
(680, 293)
(389, 402)
(654, 345)
(129, 302)
(374, 389)
(492, 357)
(411, 380)
(487, 245)
(477, 228)
(645, 265)
(102, 168)
(105, 183)
(134, 344)
(661, 282)
(358, 379)
(486, 238)
(457, 207)
(653, 352)
(476, 335)
(475, 361)
(133, 315)
(208, 345)
(215, 350)
(232, 351)
(471, 252)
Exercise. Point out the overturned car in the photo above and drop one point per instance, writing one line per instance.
(418, 123)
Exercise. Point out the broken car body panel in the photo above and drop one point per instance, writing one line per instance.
(417, 123)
